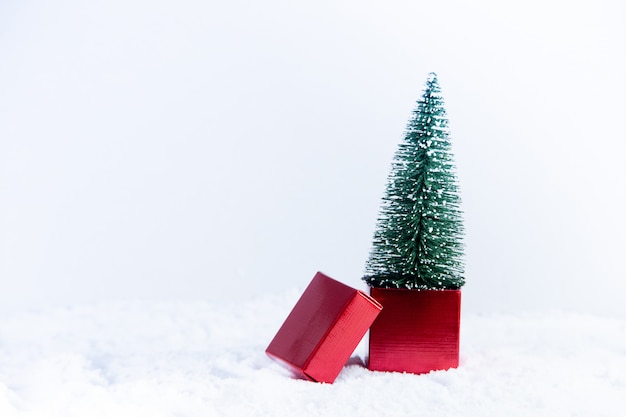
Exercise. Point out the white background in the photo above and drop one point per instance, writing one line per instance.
(214, 150)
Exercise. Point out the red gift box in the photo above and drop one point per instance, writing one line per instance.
(323, 329)
(417, 330)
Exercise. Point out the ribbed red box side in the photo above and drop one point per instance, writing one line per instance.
(343, 337)
(323, 329)
(416, 332)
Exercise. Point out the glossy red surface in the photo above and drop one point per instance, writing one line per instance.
(416, 332)
(323, 329)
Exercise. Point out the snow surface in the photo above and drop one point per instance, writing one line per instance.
(205, 359)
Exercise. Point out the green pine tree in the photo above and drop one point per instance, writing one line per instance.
(418, 238)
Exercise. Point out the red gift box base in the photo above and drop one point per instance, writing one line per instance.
(416, 332)
(323, 329)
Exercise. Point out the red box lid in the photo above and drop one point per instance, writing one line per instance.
(323, 329)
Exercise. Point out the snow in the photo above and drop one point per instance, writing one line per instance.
(148, 358)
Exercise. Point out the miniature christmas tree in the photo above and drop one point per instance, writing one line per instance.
(418, 239)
